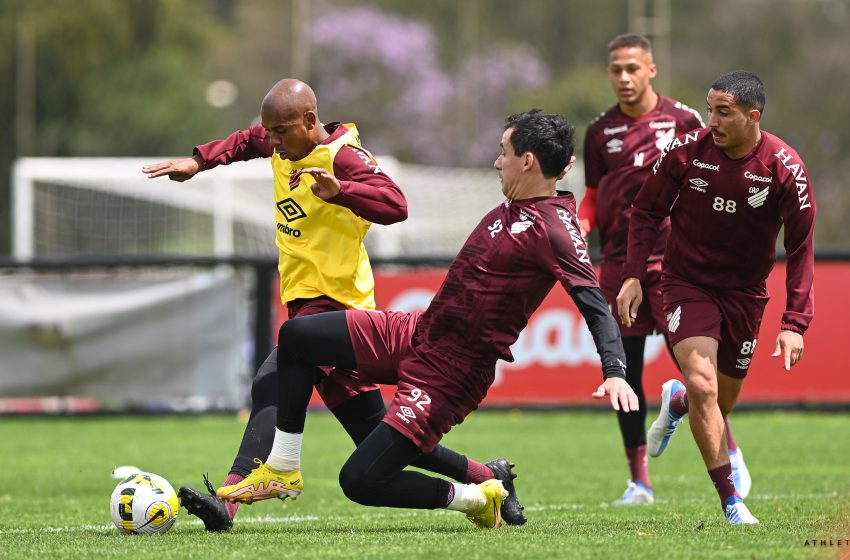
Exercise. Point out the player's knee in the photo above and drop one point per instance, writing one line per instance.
(288, 334)
(355, 484)
(348, 483)
(292, 336)
(726, 406)
(295, 330)
(264, 387)
(701, 389)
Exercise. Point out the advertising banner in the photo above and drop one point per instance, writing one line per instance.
(556, 361)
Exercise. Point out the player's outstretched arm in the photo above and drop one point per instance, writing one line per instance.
(789, 345)
(179, 170)
(621, 395)
(606, 335)
(628, 300)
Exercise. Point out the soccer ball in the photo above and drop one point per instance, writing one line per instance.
(144, 503)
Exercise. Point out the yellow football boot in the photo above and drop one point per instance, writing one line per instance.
(490, 516)
(264, 483)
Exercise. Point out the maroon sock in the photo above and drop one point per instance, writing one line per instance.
(730, 439)
(232, 478)
(477, 473)
(638, 465)
(722, 479)
(679, 402)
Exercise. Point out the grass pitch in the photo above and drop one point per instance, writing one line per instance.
(55, 485)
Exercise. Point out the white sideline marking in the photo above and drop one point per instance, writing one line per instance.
(296, 518)
(109, 527)
(690, 501)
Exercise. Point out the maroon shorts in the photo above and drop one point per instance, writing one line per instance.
(732, 317)
(434, 392)
(650, 316)
(343, 384)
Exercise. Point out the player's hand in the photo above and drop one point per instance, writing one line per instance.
(179, 170)
(789, 345)
(622, 396)
(326, 185)
(628, 301)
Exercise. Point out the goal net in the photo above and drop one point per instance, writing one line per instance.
(108, 207)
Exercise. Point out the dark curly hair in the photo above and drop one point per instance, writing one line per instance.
(746, 88)
(551, 138)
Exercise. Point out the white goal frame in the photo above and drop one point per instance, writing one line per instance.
(213, 190)
(444, 203)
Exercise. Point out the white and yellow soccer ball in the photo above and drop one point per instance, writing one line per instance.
(144, 502)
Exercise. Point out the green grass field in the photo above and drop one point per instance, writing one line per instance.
(55, 485)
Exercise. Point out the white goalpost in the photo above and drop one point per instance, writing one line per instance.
(107, 206)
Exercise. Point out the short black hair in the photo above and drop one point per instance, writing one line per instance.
(629, 40)
(551, 138)
(746, 88)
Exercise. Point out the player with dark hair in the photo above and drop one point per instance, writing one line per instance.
(620, 147)
(728, 189)
(328, 190)
(443, 360)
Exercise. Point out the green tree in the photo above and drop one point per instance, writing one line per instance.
(110, 78)
(128, 77)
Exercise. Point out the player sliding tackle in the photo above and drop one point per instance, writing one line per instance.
(325, 270)
(443, 360)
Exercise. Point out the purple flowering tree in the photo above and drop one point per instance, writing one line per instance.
(487, 81)
(382, 71)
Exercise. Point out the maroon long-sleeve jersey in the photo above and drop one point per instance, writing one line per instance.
(364, 187)
(619, 152)
(725, 218)
(509, 263)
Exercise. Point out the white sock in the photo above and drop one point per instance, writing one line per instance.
(286, 451)
(468, 498)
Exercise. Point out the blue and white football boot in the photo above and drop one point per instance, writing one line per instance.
(663, 428)
(737, 513)
(740, 473)
(636, 493)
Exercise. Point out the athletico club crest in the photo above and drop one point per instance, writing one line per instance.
(295, 180)
(290, 210)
